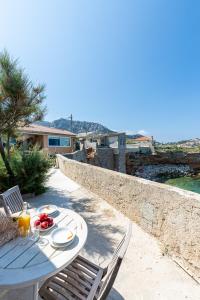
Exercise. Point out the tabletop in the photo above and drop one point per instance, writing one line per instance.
(23, 264)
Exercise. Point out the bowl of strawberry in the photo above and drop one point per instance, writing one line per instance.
(44, 222)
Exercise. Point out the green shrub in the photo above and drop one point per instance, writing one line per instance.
(4, 181)
(30, 169)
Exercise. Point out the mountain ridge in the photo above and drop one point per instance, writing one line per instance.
(77, 126)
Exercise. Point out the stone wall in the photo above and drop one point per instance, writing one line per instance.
(170, 214)
(122, 153)
(78, 155)
(135, 160)
(162, 172)
(105, 158)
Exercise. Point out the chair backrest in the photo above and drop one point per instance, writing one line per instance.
(12, 200)
(114, 265)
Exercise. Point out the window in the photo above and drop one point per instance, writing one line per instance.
(59, 141)
(65, 142)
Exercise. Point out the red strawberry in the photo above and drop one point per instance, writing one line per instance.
(37, 223)
(50, 221)
(43, 217)
(44, 225)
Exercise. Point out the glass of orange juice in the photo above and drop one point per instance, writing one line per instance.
(24, 224)
(24, 221)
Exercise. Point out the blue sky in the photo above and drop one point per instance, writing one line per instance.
(130, 65)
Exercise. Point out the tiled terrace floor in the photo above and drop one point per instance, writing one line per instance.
(145, 274)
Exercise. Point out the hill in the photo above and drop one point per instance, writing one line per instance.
(187, 146)
(189, 143)
(134, 136)
(77, 126)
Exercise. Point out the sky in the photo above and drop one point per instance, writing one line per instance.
(131, 65)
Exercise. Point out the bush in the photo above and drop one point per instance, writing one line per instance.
(30, 169)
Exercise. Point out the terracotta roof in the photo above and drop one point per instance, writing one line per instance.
(143, 139)
(38, 129)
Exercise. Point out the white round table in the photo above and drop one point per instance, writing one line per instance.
(25, 265)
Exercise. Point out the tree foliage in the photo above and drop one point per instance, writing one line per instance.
(20, 101)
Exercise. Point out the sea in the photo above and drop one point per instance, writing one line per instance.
(186, 183)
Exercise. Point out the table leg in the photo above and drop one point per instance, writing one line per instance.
(35, 291)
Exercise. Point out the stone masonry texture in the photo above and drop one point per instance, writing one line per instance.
(136, 160)
(170, 214)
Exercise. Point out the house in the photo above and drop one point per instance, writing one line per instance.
(143, 139)
(101, 140)
(51, 140)
(140, 144)
(108, 149)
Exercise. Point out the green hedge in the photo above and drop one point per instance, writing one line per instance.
(30, 169)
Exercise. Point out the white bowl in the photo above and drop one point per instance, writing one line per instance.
(47, 209)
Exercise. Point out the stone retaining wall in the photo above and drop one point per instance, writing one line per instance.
(78, 155)
(136, 160)
(170, 214)
(163, 172)
(105, 158)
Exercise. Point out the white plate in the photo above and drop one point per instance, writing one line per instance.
(47, 209)
(61, 246)
(59, 236)
(47, 229)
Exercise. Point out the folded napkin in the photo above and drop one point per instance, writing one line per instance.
(8, 228)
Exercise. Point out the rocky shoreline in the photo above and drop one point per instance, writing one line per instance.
(161, 172)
